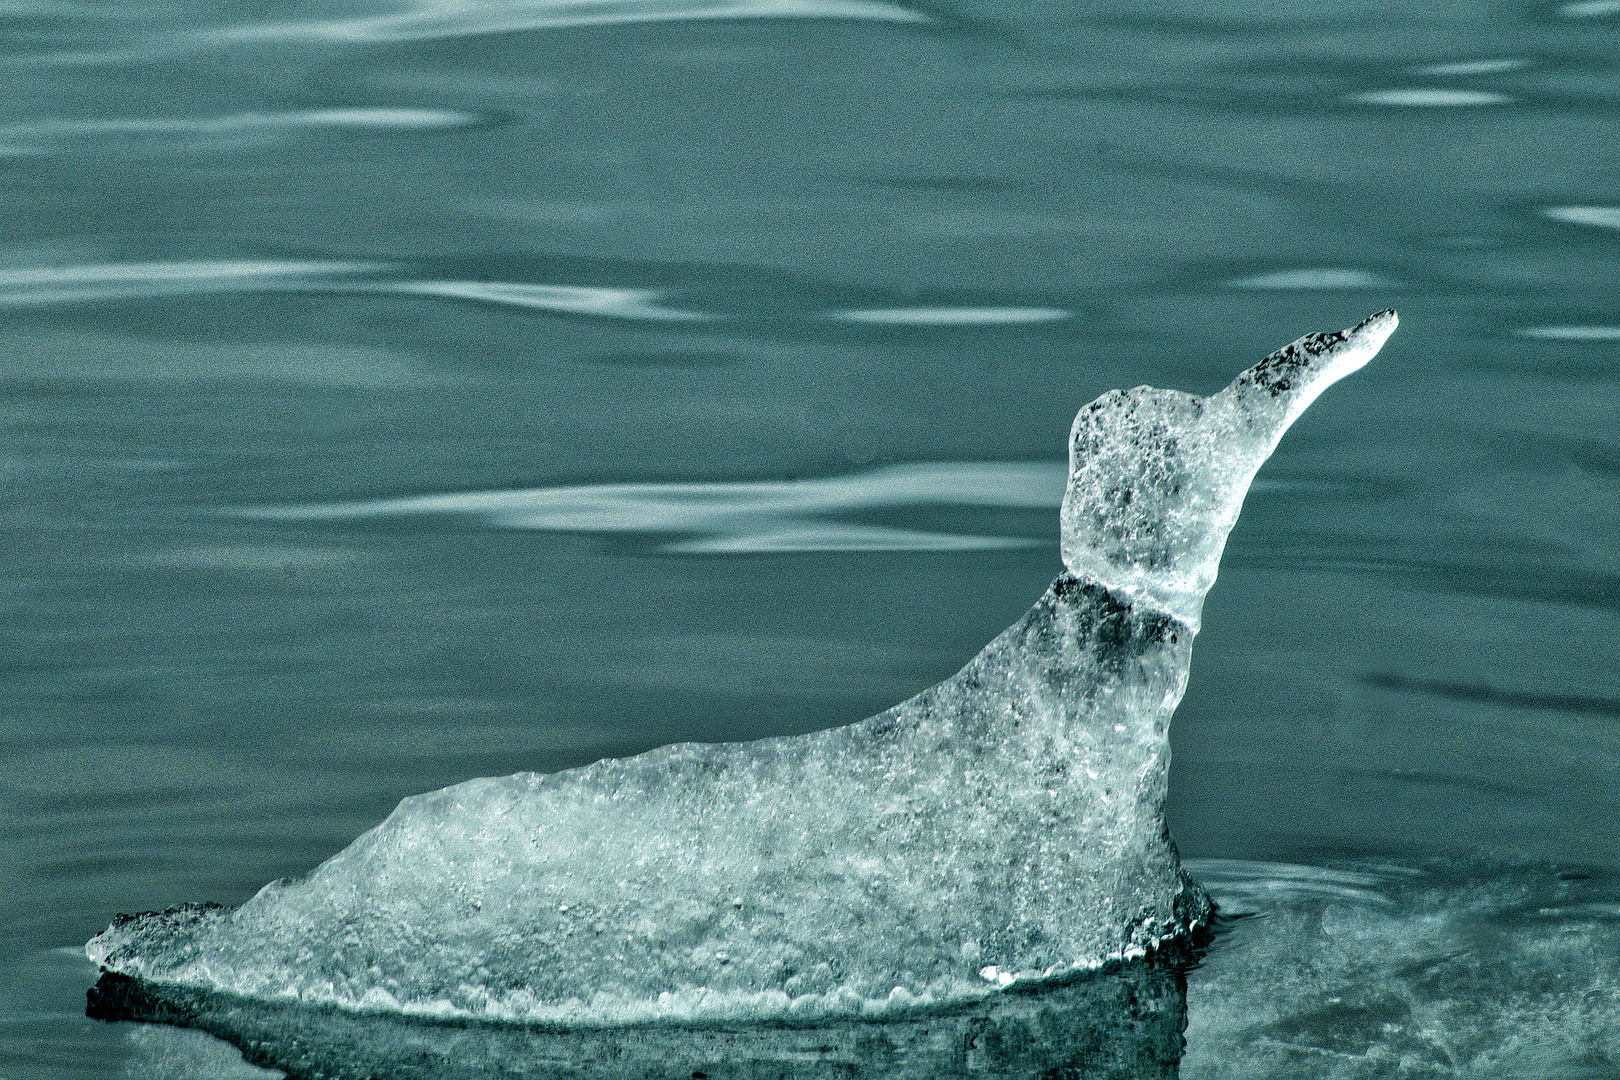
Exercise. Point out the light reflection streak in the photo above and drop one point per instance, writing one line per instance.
(740, 517)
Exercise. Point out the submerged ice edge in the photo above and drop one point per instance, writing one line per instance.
(696, 1006)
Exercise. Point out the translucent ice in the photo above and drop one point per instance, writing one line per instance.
(1002, 828)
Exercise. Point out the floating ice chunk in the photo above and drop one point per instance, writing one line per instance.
(1004, 828)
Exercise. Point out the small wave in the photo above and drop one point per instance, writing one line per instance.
(1432, 97)
(1471, 67)
(1313, 278)
(430, 19)
(1590, 9)
(735, 518)
(952, 316)
(1455, 971)
(45, 135)
(252, 557)
(836, 537)
(1571, 333)
(113, 281)
(566, 299)
(107, 281)
(1606, 217)
(1243, 885)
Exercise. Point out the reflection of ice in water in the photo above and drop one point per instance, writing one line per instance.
(1004, 828)
(741, 517)
(429, 19)
(165, 1053)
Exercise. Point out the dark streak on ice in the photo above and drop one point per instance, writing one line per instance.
(1278, 373)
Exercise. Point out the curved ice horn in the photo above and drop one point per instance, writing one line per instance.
(1157, 477)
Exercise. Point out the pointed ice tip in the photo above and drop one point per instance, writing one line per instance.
(1278, 388)
(1157, 477)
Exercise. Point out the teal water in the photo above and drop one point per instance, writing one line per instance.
(269, 256)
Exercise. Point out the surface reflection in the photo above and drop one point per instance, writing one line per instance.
(742, 516)
(429, 19)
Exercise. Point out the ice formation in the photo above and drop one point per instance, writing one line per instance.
(1002, 829)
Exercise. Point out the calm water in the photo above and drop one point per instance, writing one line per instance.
(271, 271)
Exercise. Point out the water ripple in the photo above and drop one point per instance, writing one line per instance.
(1243, 885)
(1313, 278)
(738, 517)
(1604, 217)
(1431, 97)
(46, 135)
(430, 19)
(1590, 9)
(952, 316)
(565, 299)
(1471, 67)
(45, 285)
(110, 281)
(1571, 333)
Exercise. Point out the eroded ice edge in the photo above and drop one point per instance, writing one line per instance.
(1003, 828)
